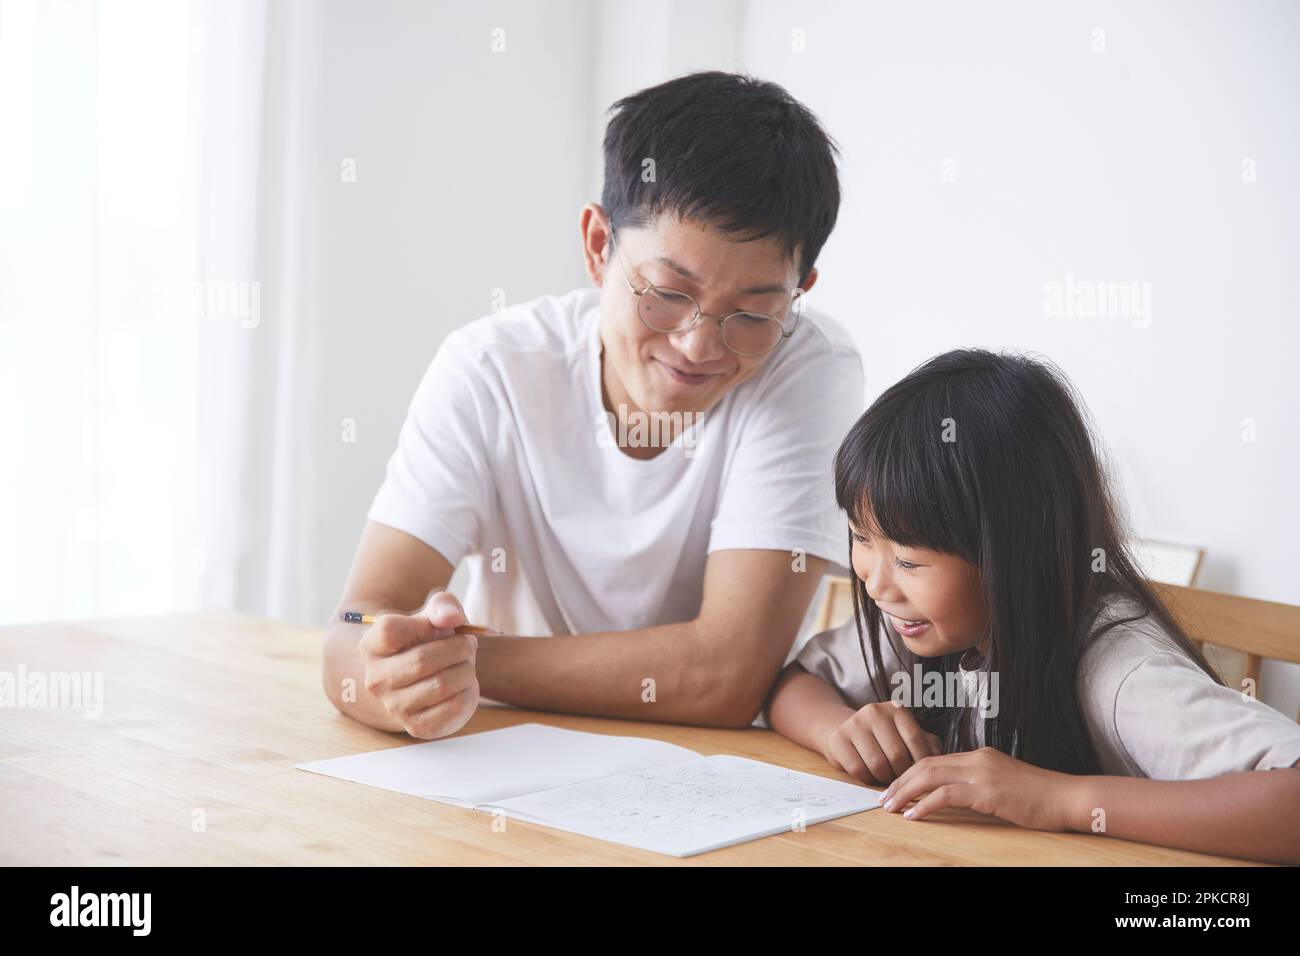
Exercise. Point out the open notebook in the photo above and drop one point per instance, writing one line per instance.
(630, 790)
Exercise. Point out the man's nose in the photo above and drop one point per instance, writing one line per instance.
(702, 342)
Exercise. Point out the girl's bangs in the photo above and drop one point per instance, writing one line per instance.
(895, 478)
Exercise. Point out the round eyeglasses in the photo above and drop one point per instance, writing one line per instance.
(747, 334)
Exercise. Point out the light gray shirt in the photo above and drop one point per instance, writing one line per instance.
(1149, 708)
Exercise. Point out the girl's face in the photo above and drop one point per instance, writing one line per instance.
(932, 599)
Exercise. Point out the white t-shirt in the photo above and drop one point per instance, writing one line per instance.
(507, 462)
(1150, 710)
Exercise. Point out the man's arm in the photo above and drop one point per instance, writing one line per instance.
(392, 571)
(715, 669)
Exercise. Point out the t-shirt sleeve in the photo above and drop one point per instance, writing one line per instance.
(438, 486)
(836, 657)
(1162, 717)
(778, 492)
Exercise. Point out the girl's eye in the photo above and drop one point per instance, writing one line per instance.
(905, 565)
(860, 539)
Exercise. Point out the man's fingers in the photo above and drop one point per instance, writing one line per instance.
(422, 661)
(446, 716)
(394, 633)
(443, 611)
(407, 702)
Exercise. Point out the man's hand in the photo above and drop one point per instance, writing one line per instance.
(878, 743)
(421, 670)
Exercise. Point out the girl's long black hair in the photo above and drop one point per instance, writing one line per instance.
(988, 457)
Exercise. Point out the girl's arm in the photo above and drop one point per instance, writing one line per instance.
(806, 709)
(1254, 814)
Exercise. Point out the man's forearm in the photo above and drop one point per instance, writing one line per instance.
(674, 673)
(715, 669)
(343, 677)
(391, 571)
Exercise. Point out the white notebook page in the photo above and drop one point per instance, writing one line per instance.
(693, 806)
(498, 764)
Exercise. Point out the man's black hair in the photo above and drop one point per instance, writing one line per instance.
(735, 152)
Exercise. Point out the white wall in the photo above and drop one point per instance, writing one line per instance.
(1122, 165)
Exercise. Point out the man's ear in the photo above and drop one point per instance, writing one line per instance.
(595, 242)
(811, 280)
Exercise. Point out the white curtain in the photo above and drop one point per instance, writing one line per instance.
(152, 302)
(255, 480)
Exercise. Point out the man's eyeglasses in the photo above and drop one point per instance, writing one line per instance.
(745, 333)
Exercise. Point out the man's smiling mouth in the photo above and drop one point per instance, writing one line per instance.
(686, 378)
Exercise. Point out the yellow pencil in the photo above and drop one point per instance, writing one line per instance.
(356, 617)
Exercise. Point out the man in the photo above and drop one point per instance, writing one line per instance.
(639, 472)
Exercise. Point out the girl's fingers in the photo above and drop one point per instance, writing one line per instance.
(896, 750)
(871, 754)
(918, 742)
(844, 755)
(949, 795)
(920, 779)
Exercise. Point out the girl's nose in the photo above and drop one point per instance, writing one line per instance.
(878, 579)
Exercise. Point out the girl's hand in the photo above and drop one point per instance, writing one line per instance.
(878, 743)
(987, 781)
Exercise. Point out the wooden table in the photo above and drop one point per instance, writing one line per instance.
(204, 717)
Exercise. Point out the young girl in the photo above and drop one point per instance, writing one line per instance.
(1005, 653)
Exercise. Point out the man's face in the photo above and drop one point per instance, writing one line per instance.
(685, 371)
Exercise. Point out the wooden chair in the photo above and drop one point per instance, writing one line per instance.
(837, 603)
(1255, 629)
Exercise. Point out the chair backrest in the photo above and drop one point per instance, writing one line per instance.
(837, 603)
(1257, 629)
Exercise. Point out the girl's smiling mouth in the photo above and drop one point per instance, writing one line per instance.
(909, 628)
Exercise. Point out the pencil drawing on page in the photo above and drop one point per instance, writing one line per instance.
(676, 798)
